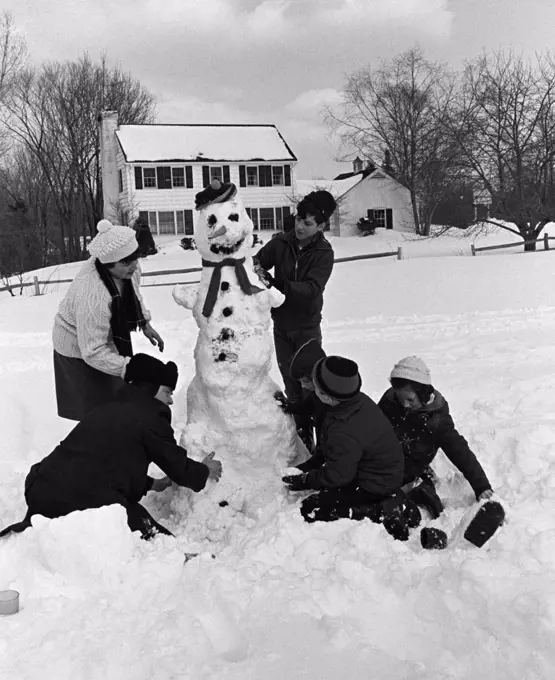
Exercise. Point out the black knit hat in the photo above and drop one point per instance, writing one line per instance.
(215, 192)
(144, 368)
(320, 203)
(338, 377)
(305, 358)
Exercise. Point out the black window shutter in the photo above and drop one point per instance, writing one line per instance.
(138, 178)
(205, 176)
(389, 218)
(370, 214)
(287, 171)
(188, 177)
(286, 212)
(226, 174)
(242, 176)
(164, 177)
(189, 230)
(143, 215)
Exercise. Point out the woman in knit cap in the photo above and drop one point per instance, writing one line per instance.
(357, 468)
(302, 260)
(92, 329)
(421, 420)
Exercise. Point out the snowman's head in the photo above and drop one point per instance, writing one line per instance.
(223, 229)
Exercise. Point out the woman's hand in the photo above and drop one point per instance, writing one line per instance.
(154, 337)
(214, 467)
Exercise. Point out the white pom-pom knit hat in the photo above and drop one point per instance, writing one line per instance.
(113, 242)
(412, 368)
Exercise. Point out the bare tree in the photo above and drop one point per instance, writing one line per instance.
(400, 107)
(505, 129)
(53, 114)
(13, 53)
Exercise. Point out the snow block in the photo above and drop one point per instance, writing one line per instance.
(433, 539)
(485, 523)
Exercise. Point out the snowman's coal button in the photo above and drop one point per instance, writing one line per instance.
(221, 356)
(225, 285)
(223, 504)
(226, 334)
(227, 311)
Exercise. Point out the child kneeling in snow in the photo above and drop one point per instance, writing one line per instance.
(104, 460)
(420, 417)
(357, 468)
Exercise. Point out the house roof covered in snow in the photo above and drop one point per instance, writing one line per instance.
(202, 143)
(336, 187)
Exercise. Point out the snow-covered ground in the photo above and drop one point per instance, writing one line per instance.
(284, 599)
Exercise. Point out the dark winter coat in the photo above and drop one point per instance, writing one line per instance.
(106, 456)
(357, 445)
(301, 275)
(424, 431)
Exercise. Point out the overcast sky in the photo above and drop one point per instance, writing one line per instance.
(271, 61)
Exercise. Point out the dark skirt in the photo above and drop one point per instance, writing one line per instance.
(80, 388)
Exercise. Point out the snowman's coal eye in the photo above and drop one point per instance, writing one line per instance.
(234, 217)
(212, 220)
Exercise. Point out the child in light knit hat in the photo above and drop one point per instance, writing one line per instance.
(422, 422)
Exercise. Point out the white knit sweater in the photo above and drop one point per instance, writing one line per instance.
(82, 324)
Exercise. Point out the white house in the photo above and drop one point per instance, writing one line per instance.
(364, 193)
(154, 171)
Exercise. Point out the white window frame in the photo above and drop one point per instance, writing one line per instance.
(149, 186)
(278, 184)
(381, 220)
(178, 186)
(253, 176)
(153, 221)
(273, 227)
(217, 172)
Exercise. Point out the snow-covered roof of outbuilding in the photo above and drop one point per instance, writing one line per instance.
(202, 143)
(336, 187)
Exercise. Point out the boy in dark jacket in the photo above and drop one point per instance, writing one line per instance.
(421, 420)
(302, 260)
(104, 460)
(357, 468)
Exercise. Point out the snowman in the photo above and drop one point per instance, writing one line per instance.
(231, 408)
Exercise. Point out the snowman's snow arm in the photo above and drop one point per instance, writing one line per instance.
(185, 295)
(277, 298)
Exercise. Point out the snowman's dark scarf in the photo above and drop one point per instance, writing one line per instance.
(214, 287)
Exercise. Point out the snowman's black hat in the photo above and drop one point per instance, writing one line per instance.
(215, 192)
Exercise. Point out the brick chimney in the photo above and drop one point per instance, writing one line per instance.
(357, 165)
(108, 122)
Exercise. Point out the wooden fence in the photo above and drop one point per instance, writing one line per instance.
(174, 272)
(36, 283)
(545, 239)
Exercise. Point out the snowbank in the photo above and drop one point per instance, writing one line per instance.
(284, 599)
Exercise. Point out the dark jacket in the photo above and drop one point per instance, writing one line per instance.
(357, 445)
(109, 451)
(426, 430)
(301, 275)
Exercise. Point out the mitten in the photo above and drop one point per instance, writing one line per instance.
(296, 482)
(282, 401)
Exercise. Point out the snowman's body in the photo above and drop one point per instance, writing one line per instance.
(231, 407)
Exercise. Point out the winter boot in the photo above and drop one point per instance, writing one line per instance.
(485, 523)
(433, 539)
(425, 496)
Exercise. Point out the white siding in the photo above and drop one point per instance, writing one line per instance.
(183, 198)
(376, 193)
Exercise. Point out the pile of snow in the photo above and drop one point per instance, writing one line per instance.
(283, 599)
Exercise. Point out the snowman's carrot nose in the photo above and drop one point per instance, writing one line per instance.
(219, 232)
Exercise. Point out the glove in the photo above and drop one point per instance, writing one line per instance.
(296, 482)
(266, 278)
(283, 402)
